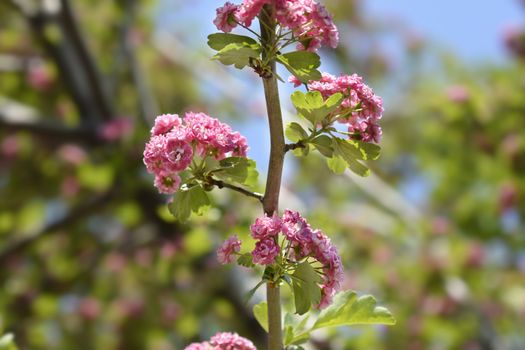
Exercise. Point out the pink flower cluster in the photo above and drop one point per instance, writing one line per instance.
(361, 107)
(223, 341)
(228, 249)
(302, 242)
(308, 20)
(175, 142)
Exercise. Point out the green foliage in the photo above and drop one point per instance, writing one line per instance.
(313, 107)
(238, 170)
(188, 200)
(246, 260)
(302, 64)
(306, 291)
(348, 310)
(295, 132)
(219, 41)
(260, 311)
(234, 49)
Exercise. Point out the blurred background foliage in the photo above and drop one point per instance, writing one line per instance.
(90, 258)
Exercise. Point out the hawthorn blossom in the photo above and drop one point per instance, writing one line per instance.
(308, 20)
(265, 251)
(228, 249)
(167, 183)
(225, 20)
(175, 142)
(199, 346)
(266, 227)
(230, 341)
(301, 242)
(360, 109)
(223, 341)
(165, 123)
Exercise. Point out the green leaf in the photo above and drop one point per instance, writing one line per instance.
(302, 64)
(305, 287)
(294, 332)
(219, 41)
(371, 150)
(312, 107)
(238, 54)
(239, 170)
(323, 144)
(336, 164)
(246, 260)
(349, 151)
(186, 201)
(260, 311)
(295, 132)
(347, 310)
(302, 151)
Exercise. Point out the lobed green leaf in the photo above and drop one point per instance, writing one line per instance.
(186, 201)
(239, 170)
(295, 132)
(237, 54)
(219, 41)
(302, 64)
(347, 310)
(306, 288)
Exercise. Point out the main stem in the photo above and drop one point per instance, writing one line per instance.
(275, 167)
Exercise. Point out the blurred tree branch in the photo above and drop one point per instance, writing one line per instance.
(77, 213)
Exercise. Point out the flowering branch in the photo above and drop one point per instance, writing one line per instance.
(275, 167)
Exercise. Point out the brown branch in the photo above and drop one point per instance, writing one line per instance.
(222, 184)
(292, 146)
(275, 166)
(71, 29)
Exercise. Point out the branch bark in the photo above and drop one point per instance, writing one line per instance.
(275, 167)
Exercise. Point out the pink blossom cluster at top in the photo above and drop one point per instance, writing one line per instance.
(301, 242)
(175, 142)
(307, 19)
(223, 341)
(361, 108)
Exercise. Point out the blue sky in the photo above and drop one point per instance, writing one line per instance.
(470, 28)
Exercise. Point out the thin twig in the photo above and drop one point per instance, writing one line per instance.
(222, 184)
(292, 146)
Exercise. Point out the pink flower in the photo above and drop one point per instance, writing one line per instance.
(116, 129)
(165, 123)
(360, 109)
(301, 242)
(199, 346)
(266, 227)
(178, 154)
(167, 183)
(228, 249)
(230, 341)
(154, 154)
(308, 20)
(39, 77)
(225, 20)
(249, 9)
(265, 252)
(457, 93)
(170, 149)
